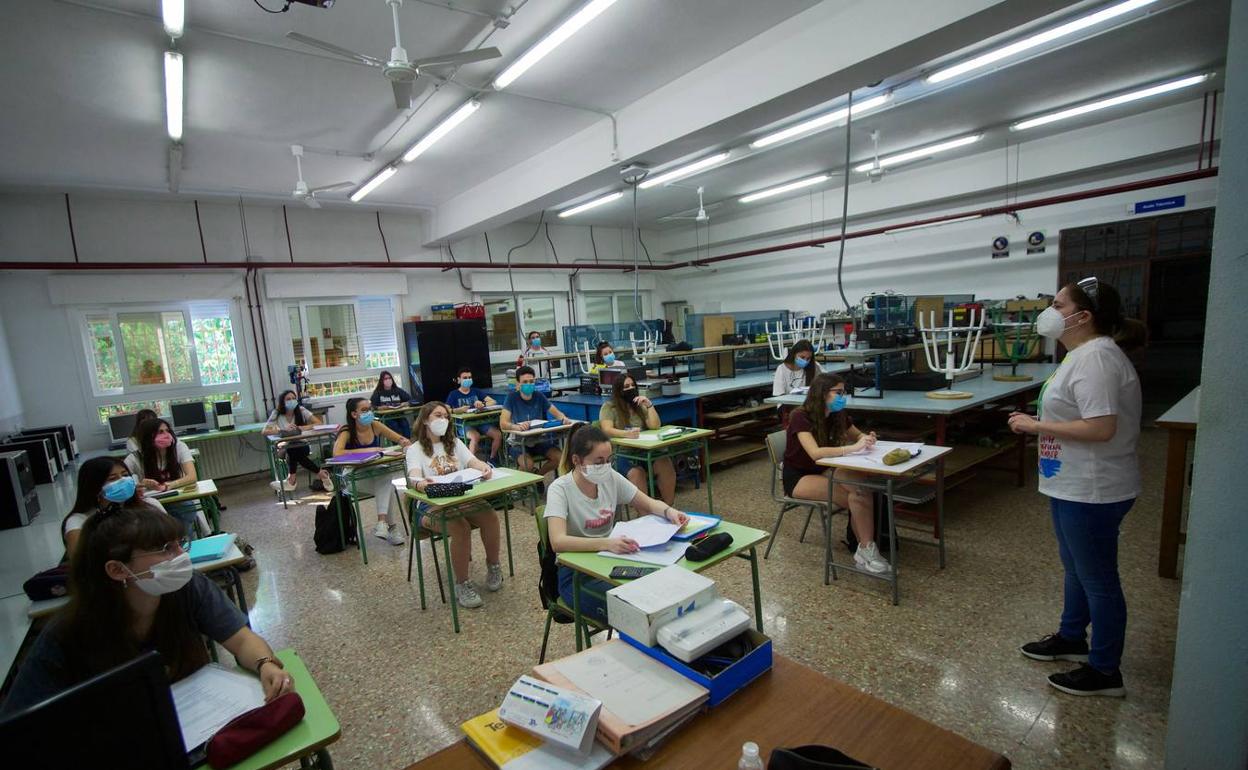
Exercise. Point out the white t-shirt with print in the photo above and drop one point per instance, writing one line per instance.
(1095, 380)
(134, 460)
(586, 516)
(422, 466)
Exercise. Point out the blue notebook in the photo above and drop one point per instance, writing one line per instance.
(210, 548)
(698, 523)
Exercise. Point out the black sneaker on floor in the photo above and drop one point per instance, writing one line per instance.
(1057, 647)
(1086, 680)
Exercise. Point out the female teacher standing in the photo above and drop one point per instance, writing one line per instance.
(1088, 426)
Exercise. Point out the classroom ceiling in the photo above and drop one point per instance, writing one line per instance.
(83, 96)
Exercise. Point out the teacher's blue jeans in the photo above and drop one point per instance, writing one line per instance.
(1087, 540)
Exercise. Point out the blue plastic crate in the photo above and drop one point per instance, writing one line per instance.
(729, 680)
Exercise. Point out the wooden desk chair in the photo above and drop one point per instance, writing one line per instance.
(558, 608)
(415, 534)
(775, 450)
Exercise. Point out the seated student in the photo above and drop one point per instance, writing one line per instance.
(102, 483)
(624, 416)
(466, 397)
(388, 395)
(290, 418)
(140, 417)
(133, 589)
(534, 347)
(797, 370)
(436, 452)
(523, 406)
(161, 463)
(362, 431)
(820, 428)
(580, 510)
(604, 357)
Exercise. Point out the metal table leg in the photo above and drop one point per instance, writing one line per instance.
(892, 541)
(940, 507)
(450, 573)
(706, 454)
(576, 607)
(758, 594)
(237, 579)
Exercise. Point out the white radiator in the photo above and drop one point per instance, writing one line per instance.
(221, 458)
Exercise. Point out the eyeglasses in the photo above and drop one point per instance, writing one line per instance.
(1089, 287)
(171, 548)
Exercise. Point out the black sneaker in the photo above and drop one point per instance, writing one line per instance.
(1086, 680)
(1057, 647)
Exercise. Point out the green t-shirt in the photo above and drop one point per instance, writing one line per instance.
(608, 412)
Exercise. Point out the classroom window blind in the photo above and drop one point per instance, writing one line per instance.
(377, 336)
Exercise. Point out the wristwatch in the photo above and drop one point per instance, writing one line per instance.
(267, 659)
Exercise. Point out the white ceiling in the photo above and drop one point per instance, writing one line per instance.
(82, 89)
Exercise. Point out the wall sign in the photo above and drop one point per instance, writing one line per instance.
(1000, 247)
(1160, 204)
(1035, 242)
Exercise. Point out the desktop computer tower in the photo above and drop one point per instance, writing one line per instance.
(60, 447)
(224, 411)
(68, 439)
(41, 453)
(19, 503)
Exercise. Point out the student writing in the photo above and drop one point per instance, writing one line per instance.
(624, 416)
(797, 370)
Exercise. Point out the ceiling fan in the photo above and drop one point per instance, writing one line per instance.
(398, 69)
(700, 216)
(308, 194)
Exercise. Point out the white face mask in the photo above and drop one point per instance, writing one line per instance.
(167, 576)
(438, 426)
(1052, 324)
(597, 473)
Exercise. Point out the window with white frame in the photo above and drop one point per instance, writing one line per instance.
(160, 354)
(542, 313)
(342, 342)
(602, 308)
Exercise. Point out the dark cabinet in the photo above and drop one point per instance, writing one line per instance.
(436, 350)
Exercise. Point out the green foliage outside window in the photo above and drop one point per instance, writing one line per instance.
(104, 349)
(214, 348)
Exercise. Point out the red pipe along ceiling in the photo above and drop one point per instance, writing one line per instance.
(1143, 184)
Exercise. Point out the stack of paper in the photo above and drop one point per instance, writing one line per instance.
(206, 700)
(654, 535)
(466, 476)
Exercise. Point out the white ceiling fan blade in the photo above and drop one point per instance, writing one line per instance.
(456, 59)
(343, 52)
(311, 202)
(328, 187)
(402, 93)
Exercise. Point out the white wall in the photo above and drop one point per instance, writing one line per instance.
(10, 396)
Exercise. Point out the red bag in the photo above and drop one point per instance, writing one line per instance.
(248, 733)
(470, 310)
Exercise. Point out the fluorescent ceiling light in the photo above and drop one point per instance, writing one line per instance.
(922, 152)
(1047, 36)
(966, 218)
(173, 14)
(684, 171)
(781, 189)
(821, 121)
(441, 130)
(552, 41)
(1112, 101)
(373, 183)
(173, 95)
(595, 203)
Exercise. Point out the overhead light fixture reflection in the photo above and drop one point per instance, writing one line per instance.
(173, 15)
(907, 228)
(821, 121)
(1113, 101)
(552, 41)
(378, 179)
(688, 169)
(1038, 39)
(595, 203)
(173, 94)
(922, 152)
(441, 130)
(782, 189)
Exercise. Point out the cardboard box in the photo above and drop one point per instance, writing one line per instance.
(640, 607)
(726, 682)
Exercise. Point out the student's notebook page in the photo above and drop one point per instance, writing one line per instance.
(635, 688)
(663, 555)
(874, 456)
(646, 530)
(466, 476)
(208, 699)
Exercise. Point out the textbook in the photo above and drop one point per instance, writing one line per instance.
(210, 548)
(510, 748)
(354, 458)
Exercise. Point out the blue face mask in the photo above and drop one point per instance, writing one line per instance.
(802, 363)
(608, 358)
(535, 343)
(120, 490)
(366, 418)
(837, 404)
(291, 404)
(527, 388)
(465, 383)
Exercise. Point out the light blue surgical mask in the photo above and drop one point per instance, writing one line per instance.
(802, 363)
(466, 382)
(527, 388)
(535, 343)
(837, 404)
(608, 358)
(291, 404)
(366, 418)
(119, 490)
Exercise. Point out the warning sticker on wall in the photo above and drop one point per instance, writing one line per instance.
(1000, 247)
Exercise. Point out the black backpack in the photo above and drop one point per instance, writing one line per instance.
(326, 533)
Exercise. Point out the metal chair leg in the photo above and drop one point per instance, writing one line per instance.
(437, 571)
(810, 511)
(541, 658)
(775, 529)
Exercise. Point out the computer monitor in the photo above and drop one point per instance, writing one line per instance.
(189, 417)
(121, 718)
(120, 427)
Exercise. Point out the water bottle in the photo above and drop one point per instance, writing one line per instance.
(750, 760)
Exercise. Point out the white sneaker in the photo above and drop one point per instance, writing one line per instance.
(278, 485)
(394, 536)
(868, 557)
(290, 485)
(467, 596)
(381, 530)
(493, 577)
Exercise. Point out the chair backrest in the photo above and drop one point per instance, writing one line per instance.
(775, 450)
(543, 537)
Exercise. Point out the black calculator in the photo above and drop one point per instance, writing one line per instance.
(630, 573)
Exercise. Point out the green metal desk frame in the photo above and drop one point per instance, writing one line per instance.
(690, 443)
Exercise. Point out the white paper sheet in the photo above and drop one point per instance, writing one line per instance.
(467, 476)
(662, 555)
(634, 687)
(881, 448)
(206, 700)
(646, 530)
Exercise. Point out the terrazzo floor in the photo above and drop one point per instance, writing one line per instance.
(400, 682)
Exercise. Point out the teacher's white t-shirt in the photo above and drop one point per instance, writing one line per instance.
(1095, 380)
